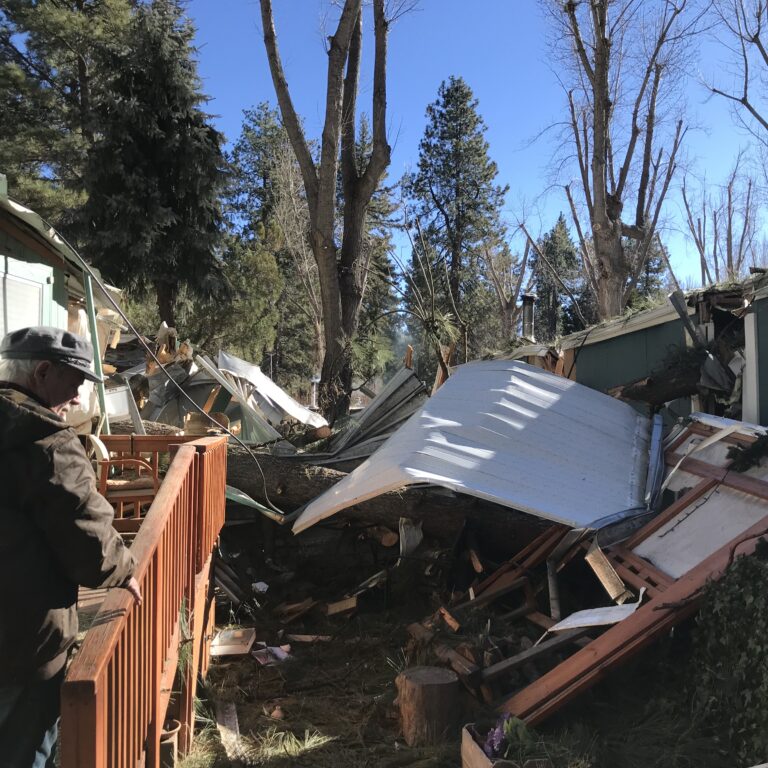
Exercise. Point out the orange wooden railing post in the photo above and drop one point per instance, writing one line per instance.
(117, 690)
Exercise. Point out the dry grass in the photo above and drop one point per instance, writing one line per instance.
(331, 706)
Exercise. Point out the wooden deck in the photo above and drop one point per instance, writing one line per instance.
(127, 677)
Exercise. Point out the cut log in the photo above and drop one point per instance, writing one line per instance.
(430, 704)
(383, 535)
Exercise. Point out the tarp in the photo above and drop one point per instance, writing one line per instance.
(515, 435)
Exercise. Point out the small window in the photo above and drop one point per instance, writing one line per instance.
(21, 303)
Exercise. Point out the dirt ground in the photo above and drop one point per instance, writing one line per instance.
(333, 702)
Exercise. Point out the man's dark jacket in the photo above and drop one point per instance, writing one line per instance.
(55, 533)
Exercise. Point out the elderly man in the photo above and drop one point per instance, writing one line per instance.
(55, 534)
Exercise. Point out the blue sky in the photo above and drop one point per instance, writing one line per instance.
(500, 47)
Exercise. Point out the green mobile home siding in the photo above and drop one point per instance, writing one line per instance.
(760, 309)
(628, 357)
(31, 293)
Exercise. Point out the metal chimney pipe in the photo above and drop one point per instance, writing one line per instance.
(529, 299)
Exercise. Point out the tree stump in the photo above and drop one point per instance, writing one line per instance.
(430, 705)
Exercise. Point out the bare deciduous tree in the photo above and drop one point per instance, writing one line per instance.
(292, 216)
(341, 272)
(746, 22)
(507, 274)
(623, 60)
(722, 224)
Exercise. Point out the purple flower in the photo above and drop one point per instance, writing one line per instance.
(495, 742)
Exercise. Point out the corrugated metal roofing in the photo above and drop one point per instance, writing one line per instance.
(274, 401)
(516, 435)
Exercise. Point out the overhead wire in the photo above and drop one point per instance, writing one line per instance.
(273, 512)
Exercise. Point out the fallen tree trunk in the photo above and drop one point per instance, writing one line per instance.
(658, 388)
(290, 484)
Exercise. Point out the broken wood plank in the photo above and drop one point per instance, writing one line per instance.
(342, 606)
(449, 619)
(508, 582)
(309, 638)
(545, 648)
(229, 731)
(477, 565)
(458, 663)
(541, 619)
(542, 698)
(533, 554)
(288, 612)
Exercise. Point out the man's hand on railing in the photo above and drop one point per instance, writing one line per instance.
(133, 587)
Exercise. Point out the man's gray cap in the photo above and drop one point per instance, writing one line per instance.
(54, 344)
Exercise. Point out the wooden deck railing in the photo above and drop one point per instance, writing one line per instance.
(116, 694)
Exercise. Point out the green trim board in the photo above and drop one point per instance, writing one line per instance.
(760, 311)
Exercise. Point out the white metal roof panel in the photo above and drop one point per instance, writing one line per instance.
(272, 398)
(516, 435)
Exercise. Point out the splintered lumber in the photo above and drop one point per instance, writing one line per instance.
(450, 620)
(545, 648)
(512, 575)
(342, 606)
(430, 704)
(229, 731)
(460, 664)
(679, 600)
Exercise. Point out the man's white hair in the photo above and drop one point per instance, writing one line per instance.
(18, 371)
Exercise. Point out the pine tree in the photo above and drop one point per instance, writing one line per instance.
(372, 347)
(246, 325)
(551, 301)
(155, 172)
(458, 204)
(52, 72)
(266, 208)
(253, 186)
(650, 285)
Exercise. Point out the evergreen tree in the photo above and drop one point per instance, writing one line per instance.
(650, 285)
(155, 172)
(246, 325)
(552, 302)
(52, 72)
(456, 199)
(266, 207)
(253, 186)
(373, 344)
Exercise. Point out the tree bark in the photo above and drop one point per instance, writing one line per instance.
(166, 302)
(598, 35)
(342, 281)
(430, 705)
